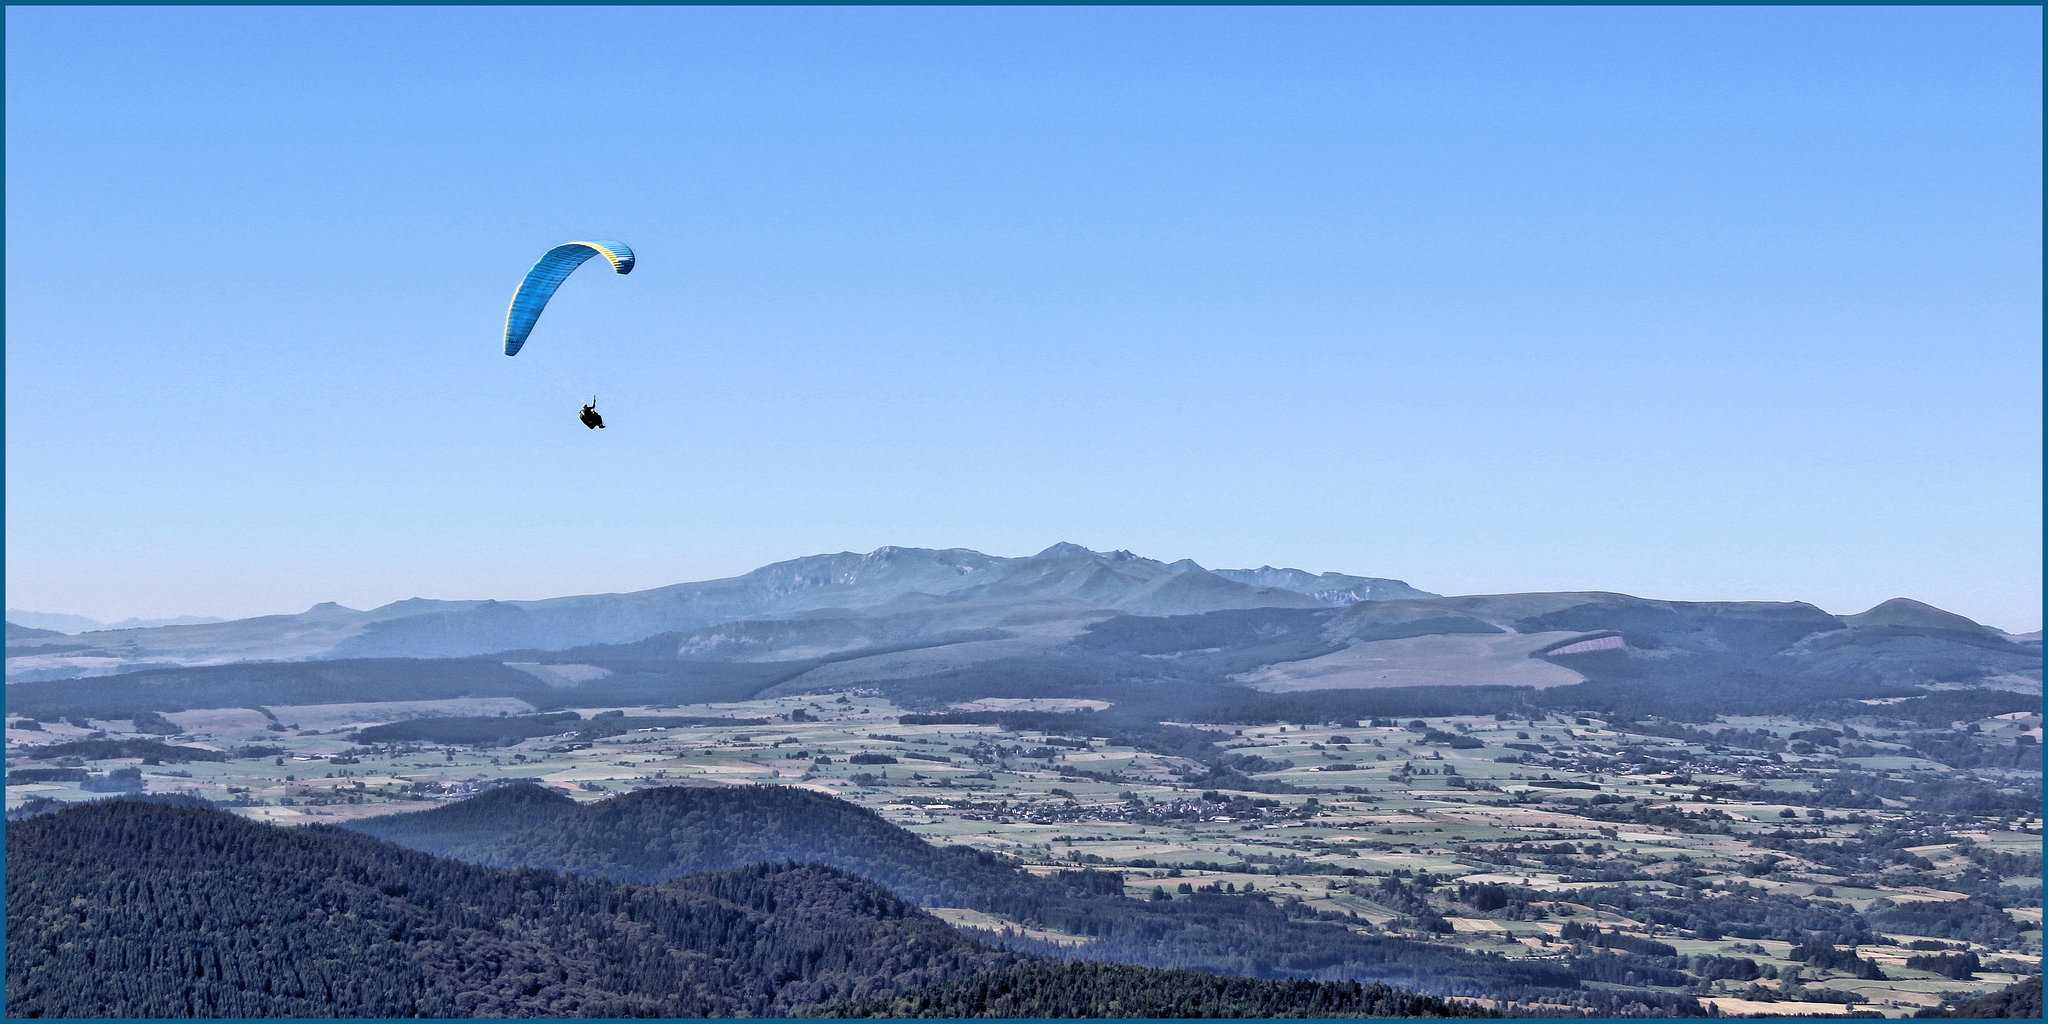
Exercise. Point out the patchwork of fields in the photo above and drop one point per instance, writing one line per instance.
(1530, 837)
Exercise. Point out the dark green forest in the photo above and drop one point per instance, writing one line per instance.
(147, 909)
(1082, 989)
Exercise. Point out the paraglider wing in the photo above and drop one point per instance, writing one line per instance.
(548, 275)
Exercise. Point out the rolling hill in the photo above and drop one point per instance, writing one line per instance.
(659, 834)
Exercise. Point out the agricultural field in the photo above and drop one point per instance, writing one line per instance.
(1686, 844)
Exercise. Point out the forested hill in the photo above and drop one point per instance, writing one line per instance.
(140, 909)
(657, 834)
(133, 909)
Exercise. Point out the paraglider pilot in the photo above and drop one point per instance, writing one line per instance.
(589, 415)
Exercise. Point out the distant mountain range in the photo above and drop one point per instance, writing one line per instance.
(57, 622)
(939, 629)
(954, 589)
(934, 627)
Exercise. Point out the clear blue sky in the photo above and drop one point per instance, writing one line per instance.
(1689, 304)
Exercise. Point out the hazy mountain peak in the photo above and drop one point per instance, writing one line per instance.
(17, 631)
(1904, 611)
(56, 622)
(1066, 549)
(949, 590)
(73, 624)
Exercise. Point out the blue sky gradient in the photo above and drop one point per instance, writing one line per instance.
(1689, 304)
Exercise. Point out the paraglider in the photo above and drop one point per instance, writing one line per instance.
(540, 284)
(548, 275)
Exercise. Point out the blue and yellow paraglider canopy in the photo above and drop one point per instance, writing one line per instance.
(548, 275)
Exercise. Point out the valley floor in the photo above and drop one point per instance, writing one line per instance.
(1689, 845)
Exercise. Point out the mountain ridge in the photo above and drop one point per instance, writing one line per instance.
(1116, 581)
(896, 613)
